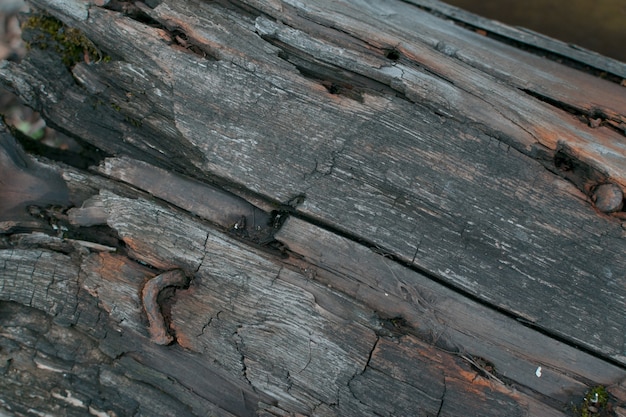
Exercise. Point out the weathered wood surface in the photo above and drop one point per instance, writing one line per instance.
(306, 346)
(442, 253)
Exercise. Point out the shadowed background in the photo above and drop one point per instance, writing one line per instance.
(598, 25)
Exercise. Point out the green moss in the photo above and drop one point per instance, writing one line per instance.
(134, 122)
(27, 128)
(43, 32)
(595, 403)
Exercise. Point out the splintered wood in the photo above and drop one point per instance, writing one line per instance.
(338, 208)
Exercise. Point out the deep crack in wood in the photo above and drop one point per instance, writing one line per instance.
(158, 328)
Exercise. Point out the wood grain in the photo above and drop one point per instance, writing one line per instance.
(421, 227)
(445, 318)
(415, 177)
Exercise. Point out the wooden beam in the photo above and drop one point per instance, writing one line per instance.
(373, 219)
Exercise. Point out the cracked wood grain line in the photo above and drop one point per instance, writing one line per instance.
(201, 199)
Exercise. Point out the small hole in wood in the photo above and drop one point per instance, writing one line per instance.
(393, 54)
(334, 89)
(562, 161)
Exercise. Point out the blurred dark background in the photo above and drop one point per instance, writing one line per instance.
(598, 25)
(12, 111)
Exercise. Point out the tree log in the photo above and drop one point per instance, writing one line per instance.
(339, 208)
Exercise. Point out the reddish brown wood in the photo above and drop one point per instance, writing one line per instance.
(158, 327)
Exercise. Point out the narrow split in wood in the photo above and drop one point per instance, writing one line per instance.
(158, 327)
(229, 211)
(340, 80)
(177, 32)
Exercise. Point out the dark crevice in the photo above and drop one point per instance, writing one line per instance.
(130, 9)
(539, 396)
(551, 56)
(563, 161)
(559, 104)
(606, 196)
(166, 300)
(451, 286)
(240, 346)
(51, 141)
(56, 225)
(142, 13)
(594, 117)
(393, 54)
(482, 366)
(204, 252)
(257, 228)
(103, 235)
(568, 166)
(87, 156)
(340, 81)
(370, 355)
(180, 38)
(336, 80)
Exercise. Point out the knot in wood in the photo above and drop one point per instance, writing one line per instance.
(608, 198)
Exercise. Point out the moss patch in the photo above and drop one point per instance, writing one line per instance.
(46, 32)
(595, 403)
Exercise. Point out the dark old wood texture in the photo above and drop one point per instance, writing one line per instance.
(328, 208)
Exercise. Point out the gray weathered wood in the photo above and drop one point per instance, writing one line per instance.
(441, 241)
(252, 317)
(445, 317)
(446, 196)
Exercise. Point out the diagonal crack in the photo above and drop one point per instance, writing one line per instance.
(204, 253)
(239, 345)
(443, 395)
(370, 355)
